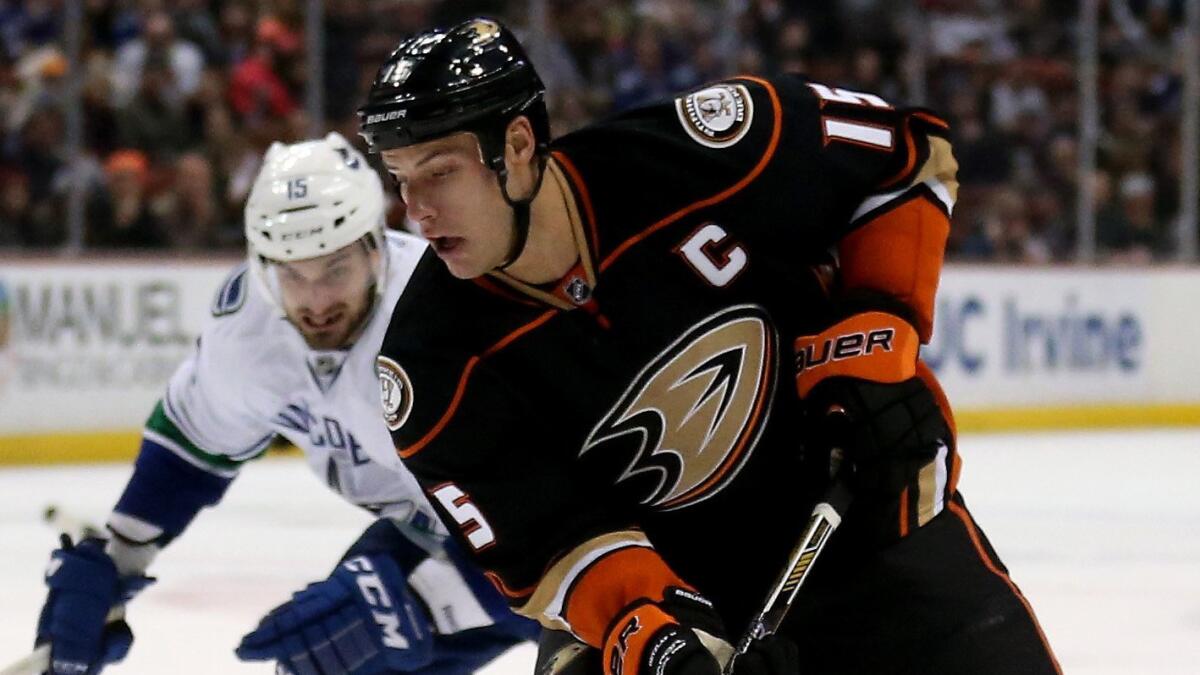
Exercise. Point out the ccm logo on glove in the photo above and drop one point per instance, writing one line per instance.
(376, 595)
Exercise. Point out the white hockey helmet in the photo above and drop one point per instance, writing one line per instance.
(312, 198)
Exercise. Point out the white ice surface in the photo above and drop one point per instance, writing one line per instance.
(1101, 531)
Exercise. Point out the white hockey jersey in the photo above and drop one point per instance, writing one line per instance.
(252, 377)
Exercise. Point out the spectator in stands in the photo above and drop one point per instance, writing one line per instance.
(236, 22)
(649, 68)
(119, 214)
(1011, 237)
(37, 81)
(101, 130)
(157, 42)
(25, 26)
(38, 156)
(154, 120)
(191, 208)
(791, 49)
(196, 24)
(257, 90)
(1005, 73)
(1048, 219)
(1132, 235)
(15, 214)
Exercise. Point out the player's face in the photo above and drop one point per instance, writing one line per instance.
(328, 298)
(455, 202)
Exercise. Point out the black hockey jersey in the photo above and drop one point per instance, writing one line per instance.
(643, 409)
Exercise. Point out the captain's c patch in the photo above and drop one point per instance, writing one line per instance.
(395, 392)
(716, 116)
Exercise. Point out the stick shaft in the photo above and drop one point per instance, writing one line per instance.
(33, 664)
(825, 518)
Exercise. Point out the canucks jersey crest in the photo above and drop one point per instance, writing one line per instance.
(232, 295)
(693, 415)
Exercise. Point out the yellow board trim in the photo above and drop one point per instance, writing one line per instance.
(122, 446)
(65, 448)
(1078, 417)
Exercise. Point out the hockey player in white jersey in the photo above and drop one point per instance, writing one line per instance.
(290, 351)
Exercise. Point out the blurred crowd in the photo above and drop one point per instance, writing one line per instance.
(178, 100)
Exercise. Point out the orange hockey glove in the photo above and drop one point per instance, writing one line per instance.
(682, 635)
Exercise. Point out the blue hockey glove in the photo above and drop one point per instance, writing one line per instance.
(361, 620)
(372, 615)
(84, 586)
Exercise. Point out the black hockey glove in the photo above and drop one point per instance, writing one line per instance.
(886, 432)
(873, 416)
(682, 635)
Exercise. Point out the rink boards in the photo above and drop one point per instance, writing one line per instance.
(86, 348)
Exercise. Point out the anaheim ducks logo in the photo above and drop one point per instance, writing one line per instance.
(485, 30)
(693, 414)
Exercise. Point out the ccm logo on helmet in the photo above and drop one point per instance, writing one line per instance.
(296, 236)
(376, 595)
(845, 347)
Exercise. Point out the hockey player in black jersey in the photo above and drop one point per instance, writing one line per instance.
(615, 380)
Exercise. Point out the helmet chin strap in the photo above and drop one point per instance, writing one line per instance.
(520, 209)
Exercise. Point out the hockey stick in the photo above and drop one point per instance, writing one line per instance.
(69, 523)
(825, 518)
(77, 528)
(38, 661)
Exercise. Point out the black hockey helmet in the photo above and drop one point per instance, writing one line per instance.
(474, 77)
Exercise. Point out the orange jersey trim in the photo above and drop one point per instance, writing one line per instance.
(932, 119)
(610, 584)
(577, 180)
(969, 524)
(873, 346)
(492, 287)
(510, 593)
(911, 145)
(462, 384)
(926, 374)
(899, 253)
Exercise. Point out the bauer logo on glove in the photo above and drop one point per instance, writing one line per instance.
(870, 346)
